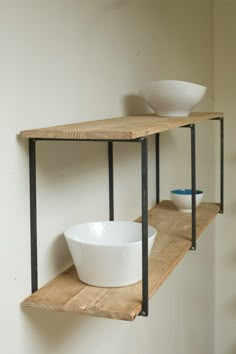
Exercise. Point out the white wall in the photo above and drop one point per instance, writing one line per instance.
(225, 83)
(67, 61)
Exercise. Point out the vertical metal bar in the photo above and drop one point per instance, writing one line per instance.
(221, 165)
(33, 216)
(157, 168)
(144, 174)
(111, 181)
(193, 183)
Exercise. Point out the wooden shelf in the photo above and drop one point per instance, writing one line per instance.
(66, 293)
(123, 128)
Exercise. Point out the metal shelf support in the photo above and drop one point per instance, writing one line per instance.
(144, 187)
(144, 197)
(221, 165)
(111, 180)
(33, 215)
(193, 185)
(193, 182)
(157, 147)
(144, 192)
(221, 120)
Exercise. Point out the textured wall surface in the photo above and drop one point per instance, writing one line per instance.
(67, 61)
(225, 82)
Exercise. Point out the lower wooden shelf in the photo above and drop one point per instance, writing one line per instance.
(67, 293)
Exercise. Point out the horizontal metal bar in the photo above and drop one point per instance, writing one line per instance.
(185, 126)
(137, 140)
(189, 125)
(217, 118)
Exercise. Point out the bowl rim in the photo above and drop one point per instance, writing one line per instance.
(185, 192)
(151, 83)
(67, 236)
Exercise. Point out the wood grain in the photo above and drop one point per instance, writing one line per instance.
(123, 128)
(68, 294)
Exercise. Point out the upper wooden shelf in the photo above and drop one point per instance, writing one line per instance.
(123, 128)
(68, 294)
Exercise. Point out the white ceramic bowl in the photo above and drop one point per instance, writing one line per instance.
(182, 198)
(108, 254)
(172, 98)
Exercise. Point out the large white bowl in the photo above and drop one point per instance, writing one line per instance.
(182, 198)
(172, 98)
(108, 254)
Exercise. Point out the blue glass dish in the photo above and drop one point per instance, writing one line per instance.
(185, 191)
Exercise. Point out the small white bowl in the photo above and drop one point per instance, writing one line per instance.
(172, 98)
(108, 254)
(182, 198)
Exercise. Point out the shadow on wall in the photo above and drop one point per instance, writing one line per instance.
(134, 105)
(171, 144)
(233, 349)
(115, 4)
(103, 11)
(59, 254)
(230, 258)
(230, 306)
(54, 329)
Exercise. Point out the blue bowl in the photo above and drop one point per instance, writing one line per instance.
(182, 198)
(185, 191)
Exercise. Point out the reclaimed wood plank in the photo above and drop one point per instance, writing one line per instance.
(68, 294)
(123, 128)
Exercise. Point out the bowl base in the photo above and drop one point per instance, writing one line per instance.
(186, 210)
(109, 284)
(172, 115)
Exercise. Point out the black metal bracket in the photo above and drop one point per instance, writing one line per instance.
(144, 191)
(193, 182)
(157, 148)
(33, 216)
(221, 120)
(144, 202)
(144, 188)
(193, 185)
(111, 180)
(193, 174)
